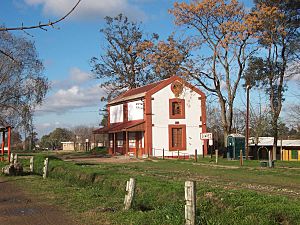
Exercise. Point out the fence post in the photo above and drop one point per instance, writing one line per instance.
(45, 170)
(16, 158)
(190, 205)
(163, 153)
(241, 157)
(11, 159)
(217, 155)
(31, 164)
(270, 159)
(130, 187)
(196, 155)
(177, 154)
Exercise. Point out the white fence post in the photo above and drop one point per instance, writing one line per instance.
(270, 159)
(16, 158)
(190, 205)
(130, 187)
(217, 155)
(45, 170)
(11, 159)
(31, 166)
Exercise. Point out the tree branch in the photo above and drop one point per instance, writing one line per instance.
(41, 25)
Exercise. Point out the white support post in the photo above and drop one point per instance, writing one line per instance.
(190, 205)
(31, 166)
(217, 155)
(130, 188)
(11, 159)
(16, 158)
(45, 170)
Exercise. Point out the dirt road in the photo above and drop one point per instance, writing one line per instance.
(18, 208)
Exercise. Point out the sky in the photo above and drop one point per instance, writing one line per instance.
(66, 49)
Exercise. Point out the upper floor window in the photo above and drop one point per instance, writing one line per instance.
(177, 108)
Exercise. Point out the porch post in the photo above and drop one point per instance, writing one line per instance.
(3, 143)
(114, 146)
(127, 141)
(8, 142)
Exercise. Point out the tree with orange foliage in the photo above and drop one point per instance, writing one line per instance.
(277, 24)
(223, 34)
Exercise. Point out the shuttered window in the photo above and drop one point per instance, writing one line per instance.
(177, 137)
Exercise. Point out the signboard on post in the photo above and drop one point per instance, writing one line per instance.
(206, 136)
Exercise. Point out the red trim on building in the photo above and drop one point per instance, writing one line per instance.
(148, 125)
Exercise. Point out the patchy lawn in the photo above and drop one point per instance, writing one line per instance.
(93, 191)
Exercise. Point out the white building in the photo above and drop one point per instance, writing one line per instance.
(168, 115)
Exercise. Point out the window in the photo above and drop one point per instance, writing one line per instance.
(177, 137)
(177, 108)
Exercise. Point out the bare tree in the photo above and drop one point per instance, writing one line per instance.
(22, 84)
(122, 67)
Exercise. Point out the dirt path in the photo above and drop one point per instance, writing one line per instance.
(18, 208)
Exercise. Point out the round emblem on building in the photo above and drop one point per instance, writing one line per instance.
(177, 88)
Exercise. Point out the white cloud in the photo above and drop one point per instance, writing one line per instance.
(76, 77)
(64, 100)
(89, 9)
(79, 76)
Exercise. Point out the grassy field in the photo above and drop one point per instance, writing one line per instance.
(226, 193)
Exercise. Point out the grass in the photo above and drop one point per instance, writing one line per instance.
(226, 193)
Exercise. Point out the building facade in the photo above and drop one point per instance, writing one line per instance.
(163, 118)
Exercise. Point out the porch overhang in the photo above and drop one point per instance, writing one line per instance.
(136, 125)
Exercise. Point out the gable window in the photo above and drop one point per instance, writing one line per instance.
(177, 137)
(177, 108)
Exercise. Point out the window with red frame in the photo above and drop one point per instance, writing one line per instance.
(177, 108)
(177, 137)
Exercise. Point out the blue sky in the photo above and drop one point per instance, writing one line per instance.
(66, 50)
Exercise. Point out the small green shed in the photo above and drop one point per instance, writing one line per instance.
(235, 143)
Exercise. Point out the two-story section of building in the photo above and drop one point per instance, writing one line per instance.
(166, 117)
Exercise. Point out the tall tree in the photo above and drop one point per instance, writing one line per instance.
(22, 84)
(278, 24)
(121, 67)
(223, 33)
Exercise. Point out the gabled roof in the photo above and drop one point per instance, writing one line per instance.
(140, 92)
(135, 93)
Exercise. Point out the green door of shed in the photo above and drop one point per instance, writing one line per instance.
(235, 143)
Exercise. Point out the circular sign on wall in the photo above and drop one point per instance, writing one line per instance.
(177, 88)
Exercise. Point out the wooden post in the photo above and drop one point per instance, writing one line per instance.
(11, 159)
(45, 170)
(31, 164)
(241, 157)
(16, 158)
(177, 154)
(217, 155)
(190, 205)
(163, 153)
(130, 188)
(270, 159)
(196, 155)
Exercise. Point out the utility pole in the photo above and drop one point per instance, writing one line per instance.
(247, 123)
